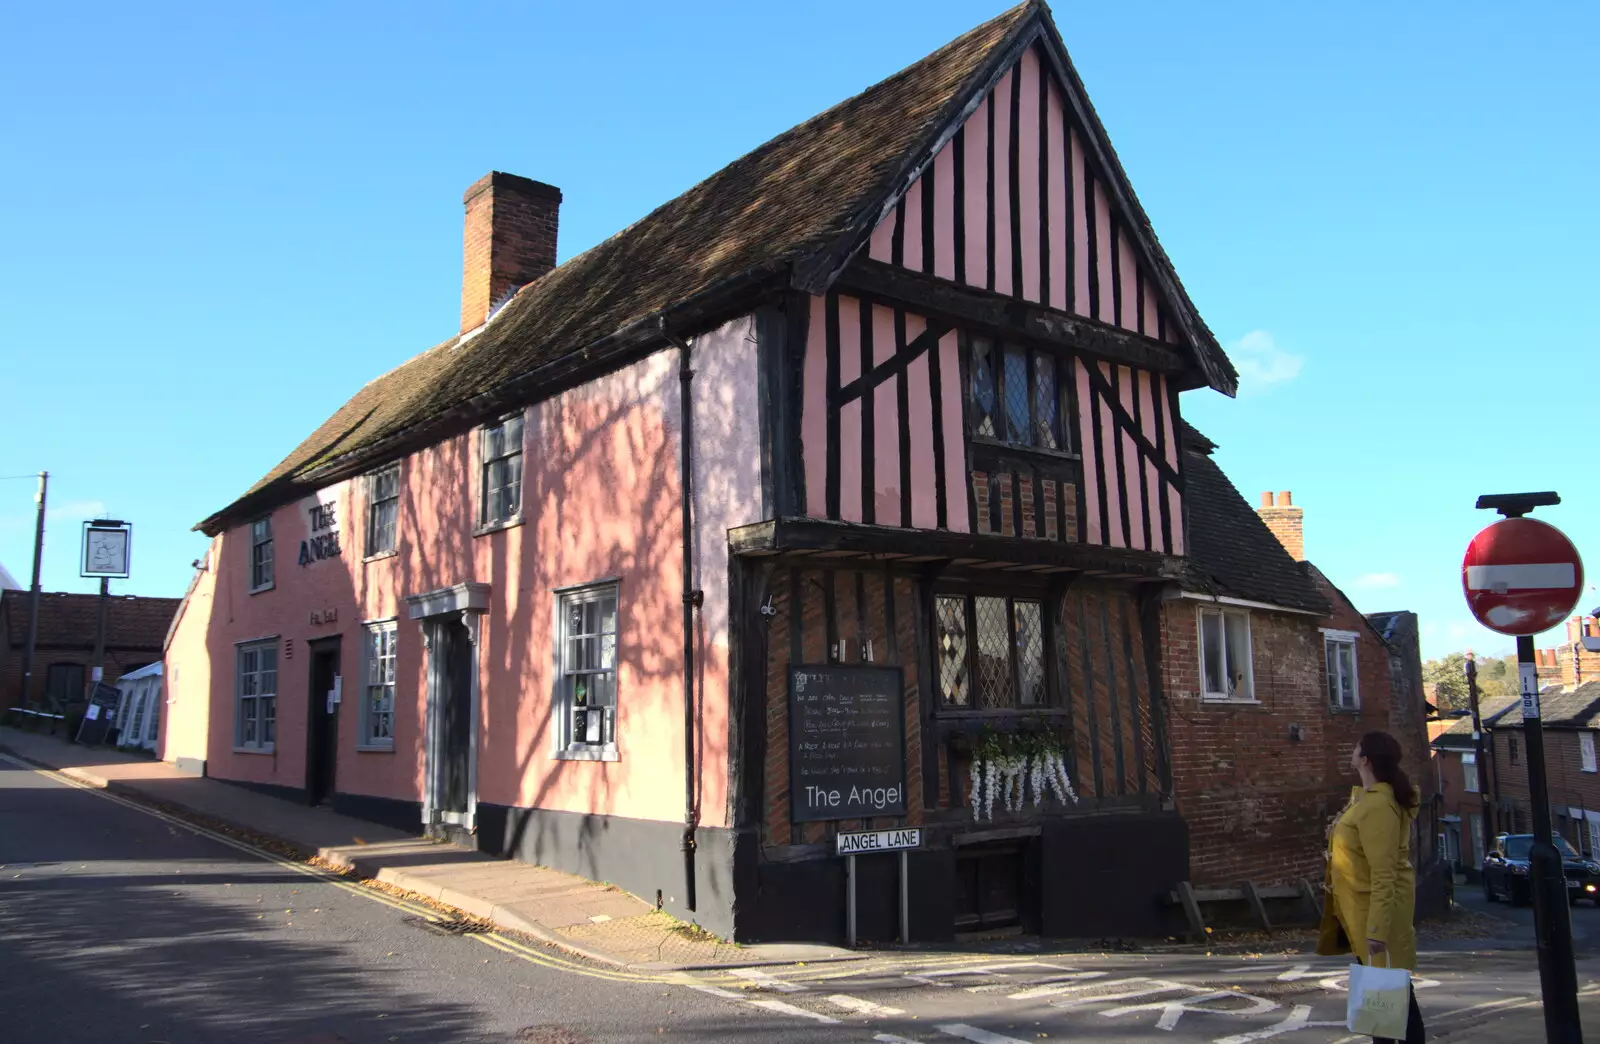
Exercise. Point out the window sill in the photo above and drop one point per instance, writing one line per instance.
(957, 713)
(1228, 701)
(264, 587)
(255, 750)
(587, 754)
(494, 527)
(1016, 447)
(1344, 710)
(381, 555)
(375, 748)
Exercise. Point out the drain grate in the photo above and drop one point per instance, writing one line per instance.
(549, 1035)
(448, 925)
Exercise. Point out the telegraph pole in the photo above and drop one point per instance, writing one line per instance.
(1483, 766)
(33, 592)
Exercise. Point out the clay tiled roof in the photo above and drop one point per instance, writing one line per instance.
(70, 619)
(1579, 709)
(1231, 551)
(1491, 711)
(786, 200)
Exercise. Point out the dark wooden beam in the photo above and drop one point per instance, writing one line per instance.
(814, 534)
(1011, 318)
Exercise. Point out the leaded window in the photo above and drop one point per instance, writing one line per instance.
(1019, 397)
(991, 652)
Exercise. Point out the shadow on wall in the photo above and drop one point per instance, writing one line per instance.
(601, 500)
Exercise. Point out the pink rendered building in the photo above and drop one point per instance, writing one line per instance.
(885, 414)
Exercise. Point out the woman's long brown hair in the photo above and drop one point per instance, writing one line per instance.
(1382, 751)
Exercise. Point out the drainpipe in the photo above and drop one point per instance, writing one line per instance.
(691, 601)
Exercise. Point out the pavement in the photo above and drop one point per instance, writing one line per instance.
(596, 921)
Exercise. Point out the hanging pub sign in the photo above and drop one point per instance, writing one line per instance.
(105, 548)
(847, 752)
(321, 514)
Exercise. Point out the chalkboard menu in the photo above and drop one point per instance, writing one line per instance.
(847, 753)
(100, 716)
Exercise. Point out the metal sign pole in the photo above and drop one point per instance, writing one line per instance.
(850, 901)
(1552, 916)
(905, 897)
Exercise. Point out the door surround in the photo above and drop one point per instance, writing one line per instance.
(431, 609)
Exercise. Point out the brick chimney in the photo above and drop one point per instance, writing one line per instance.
(1285, 521)
(510, 240)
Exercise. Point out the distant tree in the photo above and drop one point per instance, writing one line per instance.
(1448, 676)
(1497, 676)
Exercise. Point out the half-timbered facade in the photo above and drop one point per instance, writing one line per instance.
(900, 392)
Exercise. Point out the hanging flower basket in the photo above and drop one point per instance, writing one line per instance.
(1011, 767)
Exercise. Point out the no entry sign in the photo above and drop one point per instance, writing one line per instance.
(1521, 576)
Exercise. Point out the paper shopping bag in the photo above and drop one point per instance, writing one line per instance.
(1380, 1001)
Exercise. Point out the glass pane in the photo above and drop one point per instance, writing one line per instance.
(1211, 656)
(1347, 674)
(1030, 653)
(269, 719)
(1016, 389)
(1046, 423)
(247, 722)
(513, 484)
(1333, 674)
(995, 685)
(580, 689)
(983, 385)
(1238, 656)
(950, 615)
(513, 434)
(608, 651)
(494, 443)
(608, 613)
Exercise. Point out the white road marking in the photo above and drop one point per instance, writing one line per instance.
(1298, 1019)
(862, 1007)
(1142, 987)
(766, 980)
(1299, 971)
(932, 978)
(1173, 1010)
(718, 991)
(1058, 987)
(974, 1034)
(890, 1038)
(789, 1009)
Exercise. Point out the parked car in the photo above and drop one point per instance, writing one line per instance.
(1505, 870)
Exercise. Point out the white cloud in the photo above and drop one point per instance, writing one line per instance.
(1374, 581)
(1261, 363)
(76, 511)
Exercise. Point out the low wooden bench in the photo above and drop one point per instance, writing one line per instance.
(1191, 898)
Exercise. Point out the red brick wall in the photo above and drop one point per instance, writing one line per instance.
(1569, 785)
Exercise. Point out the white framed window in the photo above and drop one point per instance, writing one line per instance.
(1225, 658)
(377, 692)
(1469, 773)
(383, 509)
(1339, 648)
(586, 653)
(501, 473)
(1594, 838)
(261, 554)
(1586, 751)
(256, 709)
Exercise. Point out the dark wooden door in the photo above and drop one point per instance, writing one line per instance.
(323, 716)
(455, 717)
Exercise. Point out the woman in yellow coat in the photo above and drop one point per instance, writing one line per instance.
(1371, 886)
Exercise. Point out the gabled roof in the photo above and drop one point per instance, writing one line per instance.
(132, 622)
(1577, 709)
(1231, 550)
(791, 212)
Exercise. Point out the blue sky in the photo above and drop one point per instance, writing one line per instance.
(222, 219)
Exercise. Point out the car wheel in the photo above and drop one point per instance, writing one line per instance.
(1489, 895)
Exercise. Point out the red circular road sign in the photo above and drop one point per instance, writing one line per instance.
(1521, 576)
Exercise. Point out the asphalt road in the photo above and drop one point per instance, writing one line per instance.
(1584, 917)
(119, 925)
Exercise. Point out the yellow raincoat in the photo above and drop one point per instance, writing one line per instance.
(1371, 886)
